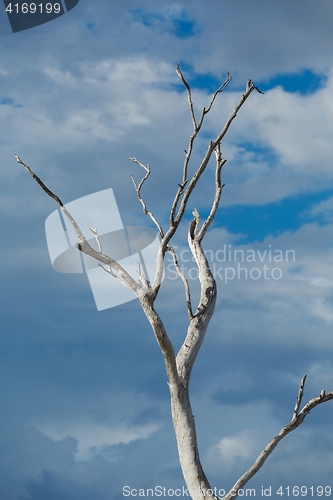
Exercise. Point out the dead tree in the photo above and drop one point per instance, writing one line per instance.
(179, 367)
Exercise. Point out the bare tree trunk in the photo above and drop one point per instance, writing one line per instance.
(184, 425)
(179, 370)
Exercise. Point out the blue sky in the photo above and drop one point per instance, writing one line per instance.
(85, 403)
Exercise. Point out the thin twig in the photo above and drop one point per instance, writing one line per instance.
(40, 182)
(196, 130)
(109, 271)
(138, 193)
(185, 281)
(299, 398)
(94, 231)
(218, 192)
(189, 95)
(250, 87)
(218, 91)
(55, 197)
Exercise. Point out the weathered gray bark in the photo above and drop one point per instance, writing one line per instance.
(184, 425)
(179, 367)
(181, 410)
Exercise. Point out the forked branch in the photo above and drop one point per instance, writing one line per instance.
(196, 130)
(176, 218)
(218, 91)
(221, 88)
(297, 418)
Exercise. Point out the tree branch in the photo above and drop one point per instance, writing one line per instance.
(80, 235)
(218, 192)
(196, 130)
(297, 419)
(94, 231)
(138, 193)
(199, 323)
(109, 271)
(189, 95)
(218, 91)
(212, 145)
(250, 87)
(161, 336)
(84, 246)
(185, 281)
(299, 398)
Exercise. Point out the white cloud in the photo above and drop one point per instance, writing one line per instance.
(320, 375)
(131, 100)
(94, 438)
(238, 447)
(129, 72)
(323, 208)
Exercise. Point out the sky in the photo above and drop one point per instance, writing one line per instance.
(85, 407)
